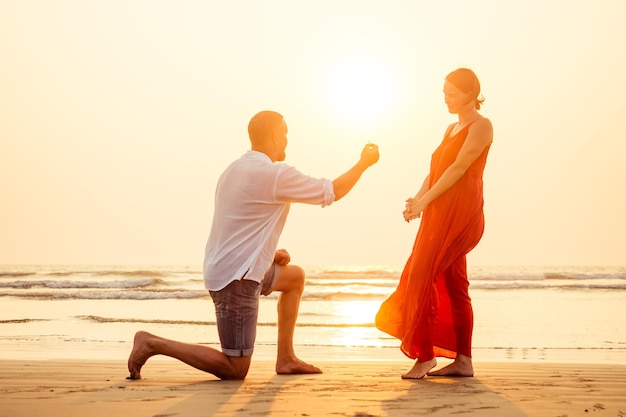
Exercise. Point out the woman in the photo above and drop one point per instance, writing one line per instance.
(431, 311)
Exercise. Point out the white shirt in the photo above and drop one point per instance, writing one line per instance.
(252, 201)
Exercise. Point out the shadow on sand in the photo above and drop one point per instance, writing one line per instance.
(342, 392)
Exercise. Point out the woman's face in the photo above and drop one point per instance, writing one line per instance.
(457, 100)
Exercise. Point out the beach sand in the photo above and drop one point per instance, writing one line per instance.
(62, 388)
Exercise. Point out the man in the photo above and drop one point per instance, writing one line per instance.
(252, 201)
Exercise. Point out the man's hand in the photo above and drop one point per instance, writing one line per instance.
(370, 155)
(282, 257)
(344, 183)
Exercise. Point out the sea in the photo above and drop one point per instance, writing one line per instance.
(532, 314)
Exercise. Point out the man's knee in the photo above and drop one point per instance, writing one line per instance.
(239, 368)
(236, 375)
(291, 279)
(298, 277)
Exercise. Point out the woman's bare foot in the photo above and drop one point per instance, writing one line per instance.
(139, 355)
(295, 366)
(462, 366)
(420, 369)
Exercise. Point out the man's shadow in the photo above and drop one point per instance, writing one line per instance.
(232, 398)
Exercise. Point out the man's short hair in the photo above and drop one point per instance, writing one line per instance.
(263, 124)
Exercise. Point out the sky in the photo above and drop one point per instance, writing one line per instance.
(117, 118)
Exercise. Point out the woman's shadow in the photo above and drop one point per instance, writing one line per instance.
(450, 396)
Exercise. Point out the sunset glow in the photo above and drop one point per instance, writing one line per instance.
(360, 89)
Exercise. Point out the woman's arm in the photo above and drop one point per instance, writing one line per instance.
(478, 138)
(423, 189)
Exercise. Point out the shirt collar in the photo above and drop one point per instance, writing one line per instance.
(259, 156)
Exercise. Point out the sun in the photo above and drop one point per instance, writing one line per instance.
(359, 89)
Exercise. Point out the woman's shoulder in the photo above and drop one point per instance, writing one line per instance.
(482, 121)
(482, 125)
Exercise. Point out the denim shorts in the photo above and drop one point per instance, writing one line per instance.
(237, 311)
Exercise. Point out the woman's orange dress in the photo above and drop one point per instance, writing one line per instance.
(430, 310)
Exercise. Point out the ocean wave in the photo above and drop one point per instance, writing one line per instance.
(342, 295)
(94, 271)
(352, 282)
(355, 272)
(15, 274)
(342, 284)
(66, 284)
(20, 321)
(105, 273)
(99, 319)
(579, 276)
(182, 294)
(315, 275)
(547, 286)
(384, 277)
(136, 273)
(108, 295)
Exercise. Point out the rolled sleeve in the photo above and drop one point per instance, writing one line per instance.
(329, 192)
(294, 186)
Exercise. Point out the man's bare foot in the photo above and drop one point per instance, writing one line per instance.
(139, 355)
(420, 369)
(295, 366)
(462, 366)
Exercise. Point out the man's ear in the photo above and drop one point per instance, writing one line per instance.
(274, 136)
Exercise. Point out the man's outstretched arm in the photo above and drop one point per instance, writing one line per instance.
(344, 183)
